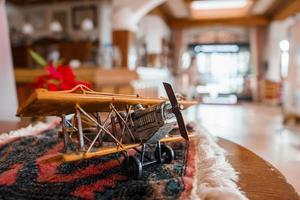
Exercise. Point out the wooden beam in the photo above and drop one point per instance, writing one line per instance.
(292, 8)
(275, 7)
(241, 21)
(123, 39)
(253, 4)
(163, 11)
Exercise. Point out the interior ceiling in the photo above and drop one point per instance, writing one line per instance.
(179, 14)
(256, 12)
(221, 13)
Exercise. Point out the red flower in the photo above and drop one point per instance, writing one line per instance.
(66, 72)
(52, 87)
(60, 78)
(53, 72)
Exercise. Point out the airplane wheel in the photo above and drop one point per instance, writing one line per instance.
(133, 167)
(167, 154)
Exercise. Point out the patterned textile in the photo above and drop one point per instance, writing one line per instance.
(24, 176)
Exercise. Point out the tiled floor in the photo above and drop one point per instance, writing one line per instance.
(258, 128)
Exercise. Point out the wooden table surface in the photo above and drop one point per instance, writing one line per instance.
(10, 126)
(257, 178)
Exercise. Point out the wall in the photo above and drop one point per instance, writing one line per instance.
(259, 51)
(216, 34)
(154, 36)
(8, 100)
(42, 14)
(128, 13)
(278, 30)
(292, 82)
(288, 29)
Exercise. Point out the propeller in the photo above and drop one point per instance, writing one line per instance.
(176, 110)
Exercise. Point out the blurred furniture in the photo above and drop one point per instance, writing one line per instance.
(85, 51)
(257, 178)
(150, 81)
(124, 40)
(103, 80)
(271, 92)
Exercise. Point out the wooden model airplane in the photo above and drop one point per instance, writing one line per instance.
(130, 122)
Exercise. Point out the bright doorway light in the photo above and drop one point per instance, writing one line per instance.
(218, 4)
(216, 48)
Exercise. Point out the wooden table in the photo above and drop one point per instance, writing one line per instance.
(11, 126)
(257, 178)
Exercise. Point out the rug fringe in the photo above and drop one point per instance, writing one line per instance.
(215, 177)
(27, 131)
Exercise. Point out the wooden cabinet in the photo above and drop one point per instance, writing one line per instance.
(85, 51)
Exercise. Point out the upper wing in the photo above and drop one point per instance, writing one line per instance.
(50, 103)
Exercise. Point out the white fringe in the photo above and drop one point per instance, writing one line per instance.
(215, 177)
(27, 131)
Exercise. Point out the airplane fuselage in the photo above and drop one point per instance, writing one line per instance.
(147, 125)
(153, 123)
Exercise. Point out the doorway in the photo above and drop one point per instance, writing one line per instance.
(224, 72)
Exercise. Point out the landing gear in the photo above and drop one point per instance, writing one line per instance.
(133, 167)
(164, 155)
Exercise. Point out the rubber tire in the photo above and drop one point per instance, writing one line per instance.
(167, 154)
(133, 167)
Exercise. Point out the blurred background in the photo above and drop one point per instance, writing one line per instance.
(219, 52)
(239, 58)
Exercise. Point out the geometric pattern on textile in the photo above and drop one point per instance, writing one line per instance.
(24, 176)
